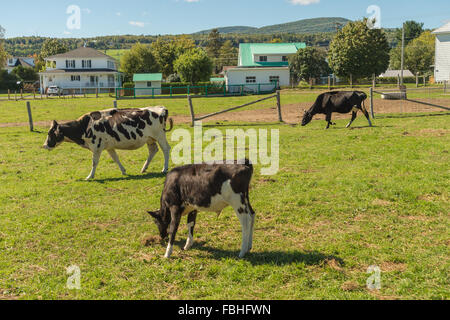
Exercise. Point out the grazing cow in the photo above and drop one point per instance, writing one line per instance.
(337, 101)
(121, 129)
(205, 187)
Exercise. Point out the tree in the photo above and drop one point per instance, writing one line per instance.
(166, 51)
(419, 54)
(2, 50)
(139, 59)
(359, 51)
(25, 74)
(309, 63)
(413, 29)
(214, 43)
(52, 47)
(194, 66)
(228, 56)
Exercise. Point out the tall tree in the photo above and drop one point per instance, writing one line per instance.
(228, 56)
(413, 29)
(419, 54)
(52, 47)
(139, 59)
(359, 51)
(2, 50)
(214, 43)
(166, 51)
(194, 66)
(309, 63)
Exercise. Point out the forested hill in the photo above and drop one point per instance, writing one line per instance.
(316, 25)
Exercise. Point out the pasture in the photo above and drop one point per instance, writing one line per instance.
(342, 201)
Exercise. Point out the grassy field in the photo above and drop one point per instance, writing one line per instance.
(342, 201)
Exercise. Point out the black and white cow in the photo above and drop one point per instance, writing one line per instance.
(337, 101)
(115, 129)
(205, 187)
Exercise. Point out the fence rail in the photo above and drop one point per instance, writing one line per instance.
(206, 90)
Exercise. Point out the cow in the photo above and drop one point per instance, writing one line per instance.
(115, 129)
(337, 101)
(205, 187)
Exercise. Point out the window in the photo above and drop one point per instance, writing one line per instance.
(86, 64)
(149, 84)
(262, 58)
(111, 65)
(75, 78)
(250, 79)
(274, 79)
(70, 64)
(284, 58)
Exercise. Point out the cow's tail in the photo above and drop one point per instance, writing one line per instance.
(171, 125)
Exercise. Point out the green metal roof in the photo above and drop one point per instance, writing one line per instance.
(147, 77)
(248, 50)
(217, 80)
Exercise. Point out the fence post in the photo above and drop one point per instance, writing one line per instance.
(115, 104)
(417, 80)
(280, 117)
(9, 94)
(171, 91)
(329, 83)
(15, 95)
(371, 104)
(351, 81)
(191, 108)
(21, 94)
(96, 92)
(424, 81)
(206, 90)
(34, 94)
(30, 118)
(373, 81)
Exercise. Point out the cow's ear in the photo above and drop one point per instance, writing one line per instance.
(154, 214)
(54, 124)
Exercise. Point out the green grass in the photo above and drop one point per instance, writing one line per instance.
(342, 201)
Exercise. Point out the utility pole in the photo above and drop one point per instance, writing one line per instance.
(403, 54)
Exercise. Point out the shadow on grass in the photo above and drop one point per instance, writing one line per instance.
(130, 178)
(272, 257)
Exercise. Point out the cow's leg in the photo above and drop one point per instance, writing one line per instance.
(192, 217)
(152, 149)
(328, 120)
(176, 213)
(162, 141)
(363, 108)
(95, 161)
(115, 157)
(246, 218)
(252, 226)
(354, 114)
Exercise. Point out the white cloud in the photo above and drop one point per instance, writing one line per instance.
(304, 2)
(137, 24)
(118, 14)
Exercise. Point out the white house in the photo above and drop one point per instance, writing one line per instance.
(147, 84)
(82, 68)
(442, 60)
(13, 62)
(262, 67)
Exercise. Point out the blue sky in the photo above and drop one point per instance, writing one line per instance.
(152, 17)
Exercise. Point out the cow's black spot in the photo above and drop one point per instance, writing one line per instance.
(99, 143)
(133, 135)
(99, 127)
(146, 117)
(241, 211)
(139, 132)
(161, 119)
(110, 131)
(113, 112)
(123, 131)
(155, 115)
(93, 139)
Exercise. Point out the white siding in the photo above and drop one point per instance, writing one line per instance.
(148, 90)
(442, 69)
(262, 75)
(96, 63)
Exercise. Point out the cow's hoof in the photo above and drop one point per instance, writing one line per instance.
(89, 178)
(164, 171)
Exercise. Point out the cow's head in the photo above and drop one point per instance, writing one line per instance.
(361, 95)
(54, 138)
(307, 117)
(160, 223)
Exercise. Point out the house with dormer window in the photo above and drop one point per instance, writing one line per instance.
(81, 69)
(261, 66)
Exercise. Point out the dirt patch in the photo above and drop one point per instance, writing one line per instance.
(6, 295)
(350, 286)
(151, 241)
(393, 266)
(381, 203)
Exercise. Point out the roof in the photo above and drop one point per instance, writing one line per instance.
(217, 80)
(147, 77)
(82, 52)
(248, 50)
(443, 29)
(396, 73)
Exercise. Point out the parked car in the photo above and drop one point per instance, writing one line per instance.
(54, 90)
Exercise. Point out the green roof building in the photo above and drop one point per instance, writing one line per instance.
(267, 54)
(147, 84)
